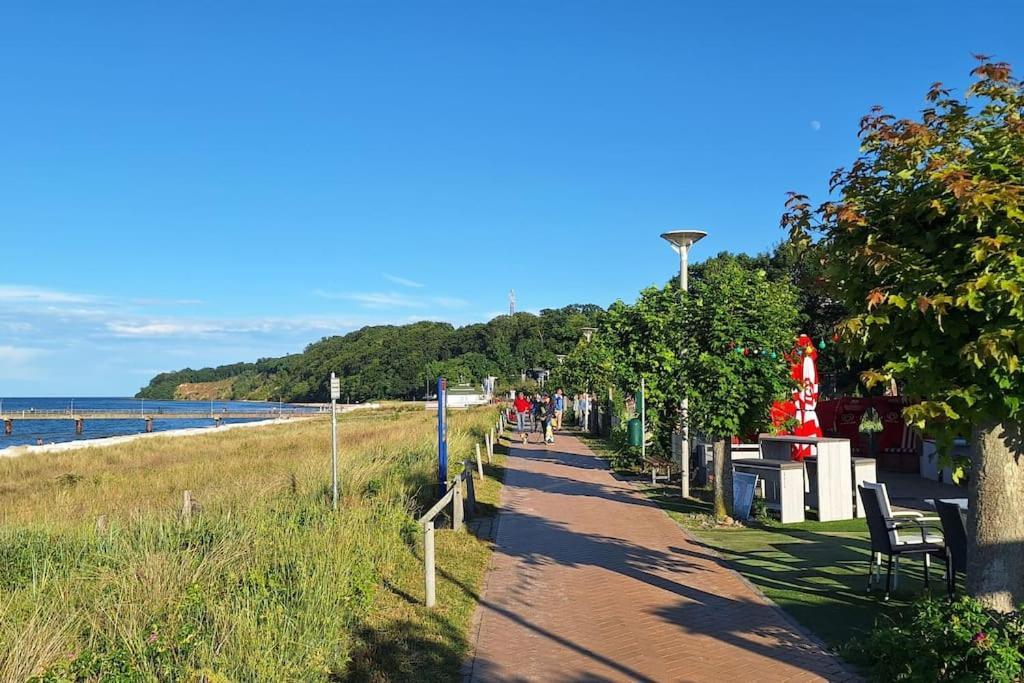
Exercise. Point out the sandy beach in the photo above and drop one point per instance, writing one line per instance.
(15, 451)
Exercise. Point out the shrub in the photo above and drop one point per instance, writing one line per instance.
(624, 456)
(937, 640)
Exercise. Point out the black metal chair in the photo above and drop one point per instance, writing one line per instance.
(954, 530)
(879, 527)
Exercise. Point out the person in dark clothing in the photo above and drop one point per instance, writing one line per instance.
(538, 414)
(550, 415)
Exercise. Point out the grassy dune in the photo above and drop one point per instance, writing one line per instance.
(265, 583)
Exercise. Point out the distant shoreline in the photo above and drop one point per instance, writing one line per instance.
(64, 446)
(29, 449)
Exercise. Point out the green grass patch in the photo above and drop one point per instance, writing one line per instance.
(815, 571)
(265, 583)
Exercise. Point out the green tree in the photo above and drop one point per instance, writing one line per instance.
(738, 324)
(645, 341)
(589, 367)
(685, 345)
(925, 247)
(820, 310)
(393, 361)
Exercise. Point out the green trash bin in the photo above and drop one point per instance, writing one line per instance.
(635, 431)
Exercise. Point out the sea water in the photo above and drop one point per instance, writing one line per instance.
(29, 431)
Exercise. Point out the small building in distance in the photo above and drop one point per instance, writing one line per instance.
(461, 396)
(466, 395)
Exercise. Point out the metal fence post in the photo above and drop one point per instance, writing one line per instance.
(430, 579)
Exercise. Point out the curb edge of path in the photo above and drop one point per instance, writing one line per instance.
(469, 662)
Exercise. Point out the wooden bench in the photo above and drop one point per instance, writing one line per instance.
(783, 485)
(656, 463)
(746, 451)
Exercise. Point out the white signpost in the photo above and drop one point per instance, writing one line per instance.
(335, 395)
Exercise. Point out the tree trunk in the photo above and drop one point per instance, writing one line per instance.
(719, 464)
(995, 522)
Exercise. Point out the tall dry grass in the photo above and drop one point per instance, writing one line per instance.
(265, 583)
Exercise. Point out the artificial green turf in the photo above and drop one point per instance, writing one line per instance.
(815, 571)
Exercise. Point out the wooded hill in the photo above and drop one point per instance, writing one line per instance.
(396, 361)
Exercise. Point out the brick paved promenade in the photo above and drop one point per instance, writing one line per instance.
(591, 582)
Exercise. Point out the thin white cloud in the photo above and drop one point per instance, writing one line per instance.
(161, 329)
(167, 302)
(28, 294)
(450, 302)
(16, 327)
(18, 354)
(11, 294)
(208, 328)
(387, 300)
(18, 363)
(815, 125)
(372, 299)
(403, 281)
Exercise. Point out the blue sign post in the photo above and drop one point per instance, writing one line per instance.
(442, 436)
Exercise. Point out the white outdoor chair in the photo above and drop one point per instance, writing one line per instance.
(916, 527)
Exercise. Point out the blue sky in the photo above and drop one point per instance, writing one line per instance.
(187, 184)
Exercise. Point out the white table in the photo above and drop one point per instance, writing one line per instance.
(962, 502)
(829, 472)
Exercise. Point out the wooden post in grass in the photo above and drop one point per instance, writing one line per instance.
(470, 491)
(458, 509)
(186, 507)
(479, 464)
(429, 578)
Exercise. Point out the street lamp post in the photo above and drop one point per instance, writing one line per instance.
(681, 241)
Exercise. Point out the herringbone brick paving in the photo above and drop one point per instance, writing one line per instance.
(590, 581)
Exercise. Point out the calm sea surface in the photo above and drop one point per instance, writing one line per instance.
(29, 431)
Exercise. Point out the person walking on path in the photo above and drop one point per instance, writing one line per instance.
(559, 402)
(537, 413)
(522, 407)
(550, 416)
(584, 412)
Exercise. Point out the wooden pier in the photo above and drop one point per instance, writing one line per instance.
(80, 416)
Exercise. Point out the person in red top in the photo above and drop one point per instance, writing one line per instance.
(522, 407)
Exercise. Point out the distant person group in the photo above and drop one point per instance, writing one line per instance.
(544, 413)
